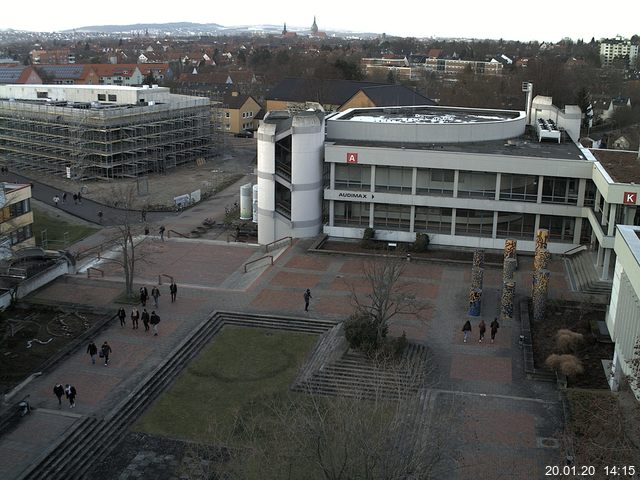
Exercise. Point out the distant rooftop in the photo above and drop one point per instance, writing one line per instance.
(621, 165)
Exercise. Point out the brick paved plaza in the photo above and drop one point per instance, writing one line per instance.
(500, 416)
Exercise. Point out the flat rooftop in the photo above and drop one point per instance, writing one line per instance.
(427, 115)
(526, 145)
(622, 166)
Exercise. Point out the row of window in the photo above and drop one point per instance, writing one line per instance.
(21, 234)
(102, 97)
(15, 210)
(477, 223)
(471, 184)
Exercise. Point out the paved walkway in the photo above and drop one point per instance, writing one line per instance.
(501, 420)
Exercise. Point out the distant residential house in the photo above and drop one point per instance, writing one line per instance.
(615, 104)
(68, 74)
(119, 74)
(142, 58)
(434, 53)
(456, 66)
(503, 59)
(59, 56)
(19, 74)
(239, 112)
(621, 143)
(162, 72)
(338, 95)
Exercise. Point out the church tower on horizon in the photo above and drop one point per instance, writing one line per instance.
(314, 27)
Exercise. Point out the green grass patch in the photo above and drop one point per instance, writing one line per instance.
(242, 371)
(56, 229)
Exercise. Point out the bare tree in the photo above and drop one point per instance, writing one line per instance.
(387, 295)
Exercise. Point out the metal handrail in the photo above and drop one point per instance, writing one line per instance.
(574, 250)
(164, 275)
(96, 269)
(266, 247)
(256, 260)
(177, 233)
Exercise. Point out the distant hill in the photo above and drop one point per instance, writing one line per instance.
(159, 27)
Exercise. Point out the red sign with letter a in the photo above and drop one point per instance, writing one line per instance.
(352, 158)
(630, 198)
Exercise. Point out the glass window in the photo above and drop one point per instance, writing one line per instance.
(113, 98)
(435, 181)
(102, 97)
(392, 217)
(476, 184)
(516, 225)
(394, 179)
(560, 228)
(351, 214)
(590, 194)
(477, 223)
(433, 220)
(353, 177)
(560, 190)
(519, 187)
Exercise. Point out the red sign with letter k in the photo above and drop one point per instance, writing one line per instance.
(630, 198)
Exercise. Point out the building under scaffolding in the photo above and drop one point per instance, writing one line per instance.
(101, 131)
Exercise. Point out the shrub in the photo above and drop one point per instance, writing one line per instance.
(567, 340)
(360, 332)
(368, 238)
(422, 242)
(568, 365)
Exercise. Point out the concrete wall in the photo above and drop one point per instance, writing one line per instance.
(86, 93)
(62, 267)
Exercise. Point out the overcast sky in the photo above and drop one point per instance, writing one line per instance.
(549, 20)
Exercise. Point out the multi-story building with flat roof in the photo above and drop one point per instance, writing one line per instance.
(612, 48)
(16, 217)
(101, 131)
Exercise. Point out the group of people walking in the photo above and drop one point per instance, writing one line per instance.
(67, 390)
(482, 328)
(77, 198)
(104, 352)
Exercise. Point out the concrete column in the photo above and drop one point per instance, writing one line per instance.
(612, 219)
(332, 179)
(605, 264)
(596, 201)
(331, 211)
(536, 226)
(605, 214)
(540, 184)
(629, 214)
(412, 222)
(414, 183)
(371, 212)
(453, 221)
(599, 256)
(494, 229)
(498, 181)
(373, 179)
(582, 188)
(577, 229)
(456, 177)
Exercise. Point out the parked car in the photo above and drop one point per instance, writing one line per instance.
(244, 134)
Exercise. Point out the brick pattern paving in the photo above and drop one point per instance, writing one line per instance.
(481, 367)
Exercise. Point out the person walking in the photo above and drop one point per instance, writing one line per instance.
(58, 390)
(145, 320)
(154, 320)
(56, 199)
(494, 329)
(143, 215)
(155, 293)
(100, 214)
(122, 315)
(161, 232)
(92, 350)
(75, 198)
(79, 197)
(483, 328)
(307, 297)
(105, 350)
(173, 288)
(64, 198)
(135, 316)
(144, 294)
(466, 329)
(70, 392)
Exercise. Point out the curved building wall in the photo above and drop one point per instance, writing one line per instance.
(266, 183)
(307, 147)
(507, 124)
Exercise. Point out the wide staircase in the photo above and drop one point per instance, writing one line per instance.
(583, 275)
(92, 438)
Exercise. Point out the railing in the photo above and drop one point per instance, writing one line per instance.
(164, 275)
(177, 233)
(96, 269)
(573, 250)
(266, 247)
(257, 260)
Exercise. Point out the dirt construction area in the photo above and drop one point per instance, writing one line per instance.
(157, 191)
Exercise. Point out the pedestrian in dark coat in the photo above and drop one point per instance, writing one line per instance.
(122, 315)
(161, 232)
(173, 288)
(483, 328)
(494, 329)
(58, 390)
(154, 320)
(79, 197)
(135, 315)
(466, 329)
(75, 198)
(155, 293)
(70, 392)
(145, 319)
(64, 197)
(144, 294)
(105, 350)
(92, 350)
(307, 297)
